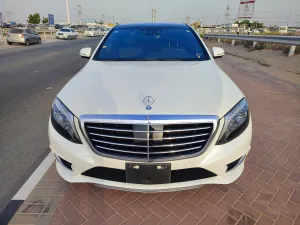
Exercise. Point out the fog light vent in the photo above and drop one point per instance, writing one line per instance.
(235, 163)
(64, 163)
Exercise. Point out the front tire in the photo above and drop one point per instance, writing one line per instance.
(9, 43)
(69, 38)
(27, 43)
(40, 41)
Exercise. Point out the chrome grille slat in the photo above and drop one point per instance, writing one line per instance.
(149, 141)
(173, 145)
(188, 136)
(110, 129)
(182, 130)
(123, 144)
(121, 137)
(169, 152)
(118, 150)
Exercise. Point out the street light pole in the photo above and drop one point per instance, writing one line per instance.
(68, 14)
(153, 15)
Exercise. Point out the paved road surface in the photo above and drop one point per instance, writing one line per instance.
(30, 78)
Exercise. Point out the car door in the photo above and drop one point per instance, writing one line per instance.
(74, 33)
(28, 35)
(35, 36)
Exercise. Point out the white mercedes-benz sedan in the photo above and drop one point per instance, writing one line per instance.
(151, 111)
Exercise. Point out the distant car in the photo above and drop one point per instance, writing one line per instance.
(66, 33)
(5, 25)
(41, 26)
(31, 26)
(91, 32)
(79, 27)
(24, 36)
(102, 31)
(51, 27)
(106, 29)
(58, 26)
(255, 31)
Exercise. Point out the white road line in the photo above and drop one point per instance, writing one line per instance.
(32, 181)
(51, 53)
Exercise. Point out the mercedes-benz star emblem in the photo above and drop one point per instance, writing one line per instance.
(148, 102)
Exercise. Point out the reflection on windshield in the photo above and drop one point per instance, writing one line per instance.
(151, 44)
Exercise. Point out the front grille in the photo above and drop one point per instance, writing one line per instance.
(147, 141)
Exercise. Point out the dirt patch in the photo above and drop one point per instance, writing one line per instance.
(275, 59)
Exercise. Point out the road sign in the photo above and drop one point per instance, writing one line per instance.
(51, 19)
(246, 8)
(1, 18)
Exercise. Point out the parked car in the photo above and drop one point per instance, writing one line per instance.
(79, 27)
(5, 25)
(101, 31)
(106, 30)
(41, 26)
(66, 33)
(58, 26)
(151, 111)
(31, 26)
(91, 32)
(24, 36)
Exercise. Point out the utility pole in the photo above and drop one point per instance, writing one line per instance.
(227, 14)
(187, 20)
(68, 14)
(289, 17)
(79, 11)
(153, 15)
(113, 18)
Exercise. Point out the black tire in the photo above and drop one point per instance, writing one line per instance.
(69, 38)
(9, 43)
(40, 41)
(27, 43)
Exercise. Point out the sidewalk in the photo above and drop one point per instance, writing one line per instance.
(267, 193)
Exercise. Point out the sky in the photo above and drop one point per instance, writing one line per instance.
(270, 12)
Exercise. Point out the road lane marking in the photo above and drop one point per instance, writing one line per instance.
(51, 53)
(32, 181)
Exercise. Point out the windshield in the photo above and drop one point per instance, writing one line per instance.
(151, 43)
(64, 30)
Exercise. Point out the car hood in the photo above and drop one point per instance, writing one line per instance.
(177, 87)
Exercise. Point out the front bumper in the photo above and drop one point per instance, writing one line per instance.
(215, 159)
(62, 36)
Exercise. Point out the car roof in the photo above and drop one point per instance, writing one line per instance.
(156, 25)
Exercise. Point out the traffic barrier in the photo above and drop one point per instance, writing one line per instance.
(293, 41)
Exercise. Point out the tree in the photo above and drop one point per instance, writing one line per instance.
(247, 23)
(256, 24)
(35, 18)
(45, 20)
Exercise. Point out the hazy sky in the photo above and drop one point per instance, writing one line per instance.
(210, 11)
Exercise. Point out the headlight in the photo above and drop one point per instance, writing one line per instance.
(63, 121)
(236, 121)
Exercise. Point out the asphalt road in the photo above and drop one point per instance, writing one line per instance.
(30, 78)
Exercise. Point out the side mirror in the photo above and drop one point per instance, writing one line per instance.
(218, 52)
(86, 52)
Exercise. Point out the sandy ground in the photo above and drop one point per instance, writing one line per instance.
(275, 62)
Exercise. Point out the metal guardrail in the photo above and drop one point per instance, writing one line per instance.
(287, 40)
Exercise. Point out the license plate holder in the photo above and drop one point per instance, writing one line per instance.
(148, 173)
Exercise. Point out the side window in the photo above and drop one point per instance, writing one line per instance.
(73, 30)
(27, 31)
(33, 32)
